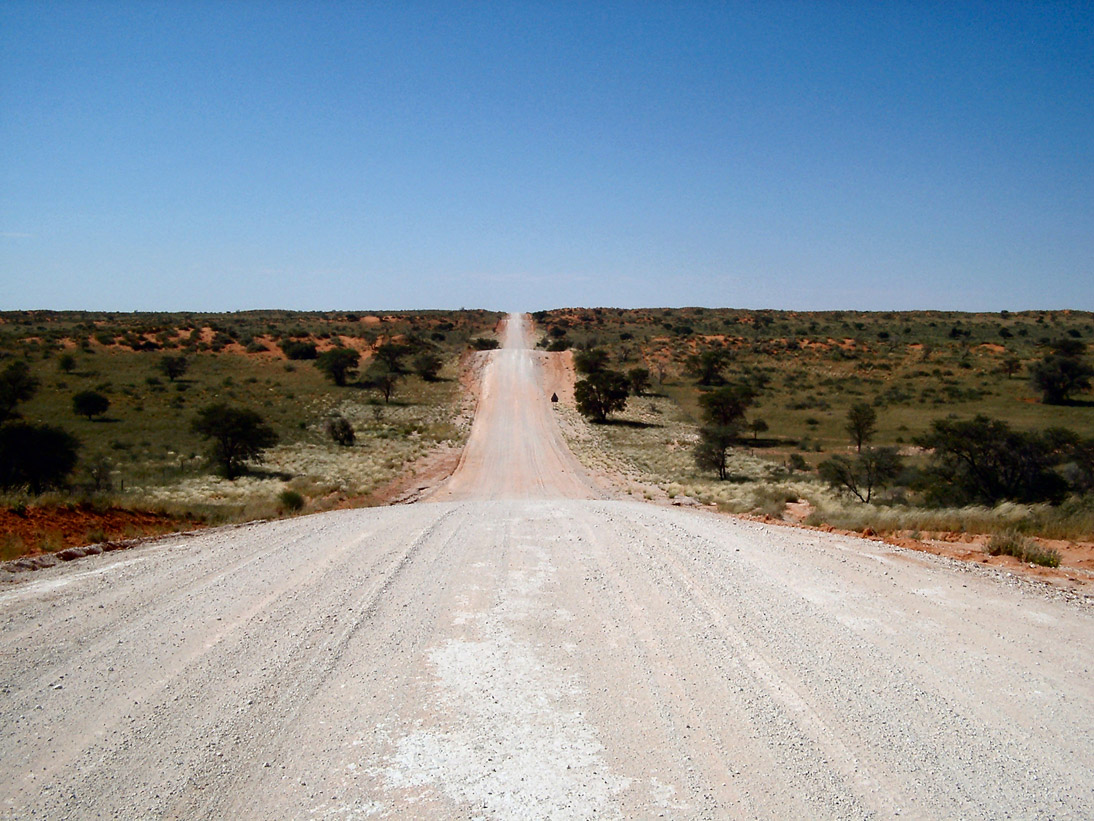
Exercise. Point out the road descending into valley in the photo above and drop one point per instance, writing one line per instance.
(519, 646)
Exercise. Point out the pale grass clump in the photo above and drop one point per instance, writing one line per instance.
(1023, 548)
(388, 441)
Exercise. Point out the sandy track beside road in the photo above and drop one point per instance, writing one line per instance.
(521, 650)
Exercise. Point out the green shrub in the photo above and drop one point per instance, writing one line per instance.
(772, 500)
(295, 349)
(90, 403)
(1013, 543)
(340, 430)
(290, 500)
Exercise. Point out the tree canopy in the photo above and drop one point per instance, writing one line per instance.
(601, 393)
(870, 470)
(708, 367)
(16, 385)
(35, 456)
(983, 460)
(90, 403)
(1062, 373)
(861, 423)
(639, 379)
(174, 366)
(236, 436)
(337, 364)
(726, 406)
(591, 361)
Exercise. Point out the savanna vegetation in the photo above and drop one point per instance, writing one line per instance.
(218, 417)
(913, 421)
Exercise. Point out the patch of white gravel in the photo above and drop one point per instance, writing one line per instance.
(506, 734)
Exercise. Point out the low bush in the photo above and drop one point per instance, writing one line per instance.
(340, 430)
(294, 349)
(1013, 543)
(290, 500)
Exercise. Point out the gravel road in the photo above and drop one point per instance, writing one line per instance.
(518, 647)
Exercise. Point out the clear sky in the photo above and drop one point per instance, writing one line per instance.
(320, 155)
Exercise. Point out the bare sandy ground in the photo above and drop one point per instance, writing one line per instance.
(517, 647)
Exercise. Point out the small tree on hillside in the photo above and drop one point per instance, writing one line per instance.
(337, 364)
(340, 430)
(391, 354)
(861, 424)
(427, 365)
(174, 366)
(591, 361)
(724, 411)
(712, 451)
(1062, 373)
(600, 393)
(382, 378)
(16, 385)
(90, 403)
(757, 426)
(639, 379)
(237, 435)
(708, 367)
(870, 471)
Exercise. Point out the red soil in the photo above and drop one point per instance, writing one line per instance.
(62, 526)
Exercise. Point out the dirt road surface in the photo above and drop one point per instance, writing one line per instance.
(516, 647)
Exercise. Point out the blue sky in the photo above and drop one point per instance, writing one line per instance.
(322, 155)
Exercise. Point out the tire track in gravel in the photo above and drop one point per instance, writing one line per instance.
(198, 655)
(891, 729)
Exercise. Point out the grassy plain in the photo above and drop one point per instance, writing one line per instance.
(145, 456)
(913, 367)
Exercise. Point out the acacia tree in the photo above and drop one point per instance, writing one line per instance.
(236, 436)
(712, 451)
(757, 426)
(870, 471)
(708, 367)
(381, 377)
(724, 411)
(1062, 373)
(174, 366)
(90, 403)
(16, 385)
(591, 361)
(639, 379)
(985, 461)
(337, 364)
(35, 456)
(427, 365)
(861, 424)
(601, 393)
